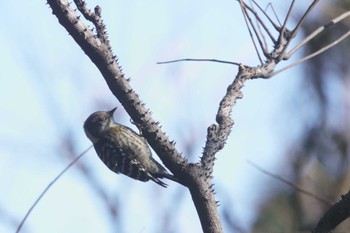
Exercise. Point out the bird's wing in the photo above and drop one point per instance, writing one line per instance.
(118, 160)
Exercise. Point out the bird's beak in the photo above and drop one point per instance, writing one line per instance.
(112, 111)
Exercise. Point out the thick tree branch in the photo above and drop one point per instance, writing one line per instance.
(197, 177)
(98, 50)
(335, 215)
(101, 55)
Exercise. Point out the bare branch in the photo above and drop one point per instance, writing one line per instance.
(284, 26)
(246, 18)
(100, 53)
(260, 21)
(49, 186)
(268, 17)
(316, 32)
(274, 12)
(95, 18)
(199, 59)
(217, 134)
(196, 176)
(335, 215)
(291, 184)
(325, 48)
(297, 27)
(102, 56)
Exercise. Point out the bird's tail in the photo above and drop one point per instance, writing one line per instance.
(156, 179)
(171, 177)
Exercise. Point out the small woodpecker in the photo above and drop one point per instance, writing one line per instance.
(122, 150)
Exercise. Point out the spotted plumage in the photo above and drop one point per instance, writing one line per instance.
(122, 150)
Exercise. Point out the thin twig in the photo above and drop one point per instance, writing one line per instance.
(265, 52)
(316, 32)
(297, 27)
(257, 22)
(284, 26)
(199, 59)
(269, 19)
(295, 186)
(245, 14)
(48, 187)
(261, 21)
(273, 10)
(343, 37)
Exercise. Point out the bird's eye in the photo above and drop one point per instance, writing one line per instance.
(98, 120)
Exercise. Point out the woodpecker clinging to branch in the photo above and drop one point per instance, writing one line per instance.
(122, 150)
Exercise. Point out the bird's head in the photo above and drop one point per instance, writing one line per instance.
(96, 123)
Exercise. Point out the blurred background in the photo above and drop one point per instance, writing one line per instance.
(295, 125)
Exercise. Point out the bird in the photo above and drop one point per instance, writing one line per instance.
(122, 150)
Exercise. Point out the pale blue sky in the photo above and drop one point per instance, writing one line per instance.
(49, 87)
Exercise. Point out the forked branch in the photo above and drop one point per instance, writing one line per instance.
(196, 176)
